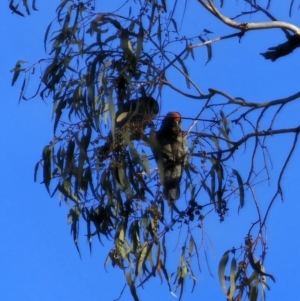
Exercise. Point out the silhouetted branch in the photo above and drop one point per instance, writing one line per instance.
(240, 142)
(279, 189)
(209, 5)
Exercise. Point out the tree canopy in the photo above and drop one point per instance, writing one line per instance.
(98, 61)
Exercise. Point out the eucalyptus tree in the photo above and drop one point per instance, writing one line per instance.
(95, 64)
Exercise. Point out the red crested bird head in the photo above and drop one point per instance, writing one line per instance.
(173, 117)
(170, 126)
(171, 122)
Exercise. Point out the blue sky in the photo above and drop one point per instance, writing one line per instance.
(38, 260)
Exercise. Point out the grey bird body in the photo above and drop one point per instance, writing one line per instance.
(170, 155)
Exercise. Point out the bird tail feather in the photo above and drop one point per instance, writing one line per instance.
(171, 194)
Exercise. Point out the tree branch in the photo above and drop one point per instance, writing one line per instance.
(167, 83)
(237, 34)
(247, 26)
(279, 189)
(255, 104)
(238, 143)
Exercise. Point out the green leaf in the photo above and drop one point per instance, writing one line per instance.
(134, 235)
(139, 46)
(142, 256)
(79, 9)
(36, 170)
(107, 260)
(225, 122)
(115, 23)
(213, 186)
(145, 164)
(192, 53)
(174, 24)
(209, 50)
(111, 108)
(185, 70)
(25, 4)
(225, 135)
(122, 116)
(86, 217)
(73, 219)
(182, 272)
(221, 271)
(131, 286)
(217, 166)
(110, 38)
(61, 6)
(121, 177)
(60, 156)
(163, 3)
(58, 112)
(33, 5)
(135, 155)
(253, 293)
(125, 43)
(14, 8)
(145, 221)
(22, 90)
(17, 71)
(69, 163)
(65, 189)
(47, 154)
(191, 246)
(264, 285)
(158, 32)
(241, 188)
(232, 279)
(83, 146)
(46, 36)
(50, 71)
(215, 141)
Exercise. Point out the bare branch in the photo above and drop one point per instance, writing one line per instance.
(279, 190)
(248, 26)
(259, 8)
(255, 104)
(215, 40)
(244, 139)
(167, 83)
